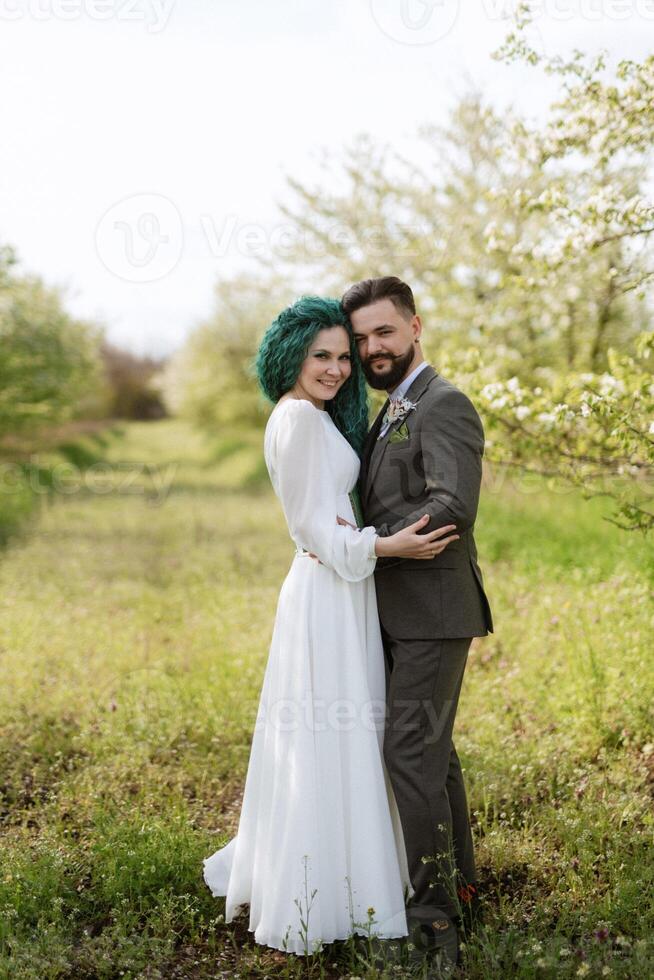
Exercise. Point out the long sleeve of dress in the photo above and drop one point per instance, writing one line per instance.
(308, 495)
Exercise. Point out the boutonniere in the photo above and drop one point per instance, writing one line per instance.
(397, 411)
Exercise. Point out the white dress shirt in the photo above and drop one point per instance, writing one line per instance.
(401, 391)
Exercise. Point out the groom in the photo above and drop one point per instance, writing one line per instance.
(423, 456)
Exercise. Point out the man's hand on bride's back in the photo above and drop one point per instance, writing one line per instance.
(409, 543)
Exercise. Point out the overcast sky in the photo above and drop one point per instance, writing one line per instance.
(145, 142)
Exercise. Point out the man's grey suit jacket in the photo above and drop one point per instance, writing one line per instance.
(435, 470)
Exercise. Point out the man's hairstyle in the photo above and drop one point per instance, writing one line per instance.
(372, 290)
(284, 348)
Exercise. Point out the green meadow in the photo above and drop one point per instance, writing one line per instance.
(138, 588)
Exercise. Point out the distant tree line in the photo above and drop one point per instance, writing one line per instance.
(55, 367)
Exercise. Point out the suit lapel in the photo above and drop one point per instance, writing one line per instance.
(376, 453)
(369, 445)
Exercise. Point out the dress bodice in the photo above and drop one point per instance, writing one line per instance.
(313, 468)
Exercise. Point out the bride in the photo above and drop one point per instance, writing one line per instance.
(319, 853)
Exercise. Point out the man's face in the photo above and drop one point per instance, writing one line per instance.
(386, 341)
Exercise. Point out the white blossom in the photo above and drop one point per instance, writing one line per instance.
(491, 390)
(610, 385)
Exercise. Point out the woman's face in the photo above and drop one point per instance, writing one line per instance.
(326, 367)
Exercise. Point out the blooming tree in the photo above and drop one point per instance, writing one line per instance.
(595, 429)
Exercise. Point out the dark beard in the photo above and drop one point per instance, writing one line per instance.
(400, 364)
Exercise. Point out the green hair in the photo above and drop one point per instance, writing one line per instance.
(284, 347)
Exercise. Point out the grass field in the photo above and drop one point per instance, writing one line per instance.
(136, 607)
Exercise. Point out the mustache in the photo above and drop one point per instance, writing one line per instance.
(382, 357)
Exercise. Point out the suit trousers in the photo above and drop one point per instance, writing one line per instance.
(423, 682)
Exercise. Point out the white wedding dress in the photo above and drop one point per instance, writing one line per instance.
(319, 841)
